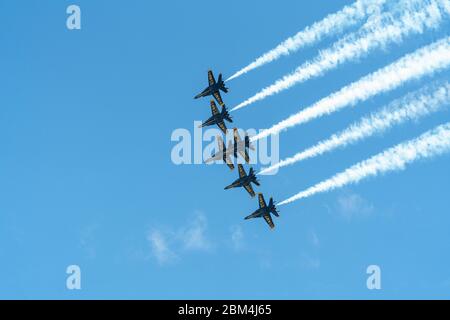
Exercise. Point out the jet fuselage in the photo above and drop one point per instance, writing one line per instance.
(210, 90)
(258, 213)
(214, 119)
(231, 151)
(240, 182)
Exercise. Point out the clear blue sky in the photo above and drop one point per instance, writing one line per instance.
(86, 176)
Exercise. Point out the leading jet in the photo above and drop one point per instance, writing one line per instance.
(245, 180)
(217, 118)
(224, 153)
(213, 88)
(265, 211)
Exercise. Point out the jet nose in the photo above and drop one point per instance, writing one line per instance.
(227, 187)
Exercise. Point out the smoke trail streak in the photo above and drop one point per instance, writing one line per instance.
(377, 33)
(332, 24)
(428, 145)
(412, 107)
(424, 61)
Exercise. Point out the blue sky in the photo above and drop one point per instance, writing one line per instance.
(86, 176)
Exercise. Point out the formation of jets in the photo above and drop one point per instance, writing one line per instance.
(237, 147)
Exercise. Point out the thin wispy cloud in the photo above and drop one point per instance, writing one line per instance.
(334, 23)
(160, 247)
(429, 145)
(308, 261)
(87, 239)
(237, 237)
(415, 18)
(351, 205)
(194, 236)
(423, 62)
(314, 239)
(169, 245)
(413, 106)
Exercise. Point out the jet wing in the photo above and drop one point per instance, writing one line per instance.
(222, 126)
(214, 109)
(221, 144)
(229, 162)
(244, 155)
(249, 189)
(211, 79)
(216, 95)
(216, 112)
(262, 202)
(237, 138)
(220, 153)
(241, 171)
(269, 221)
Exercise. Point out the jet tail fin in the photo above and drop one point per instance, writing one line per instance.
(226, 115)
(272, 208)
(222, 84)
(251, 173)
(248, 144)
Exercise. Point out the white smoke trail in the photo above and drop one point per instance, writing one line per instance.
(428, 145)
(412, 107)
(332, 24)
(424, 61)
(377, 33)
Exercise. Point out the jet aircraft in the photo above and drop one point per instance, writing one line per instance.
(217, 118)
(224, 153)
(213, 88)
(265, 211)
(238, 146)
(245, 180)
